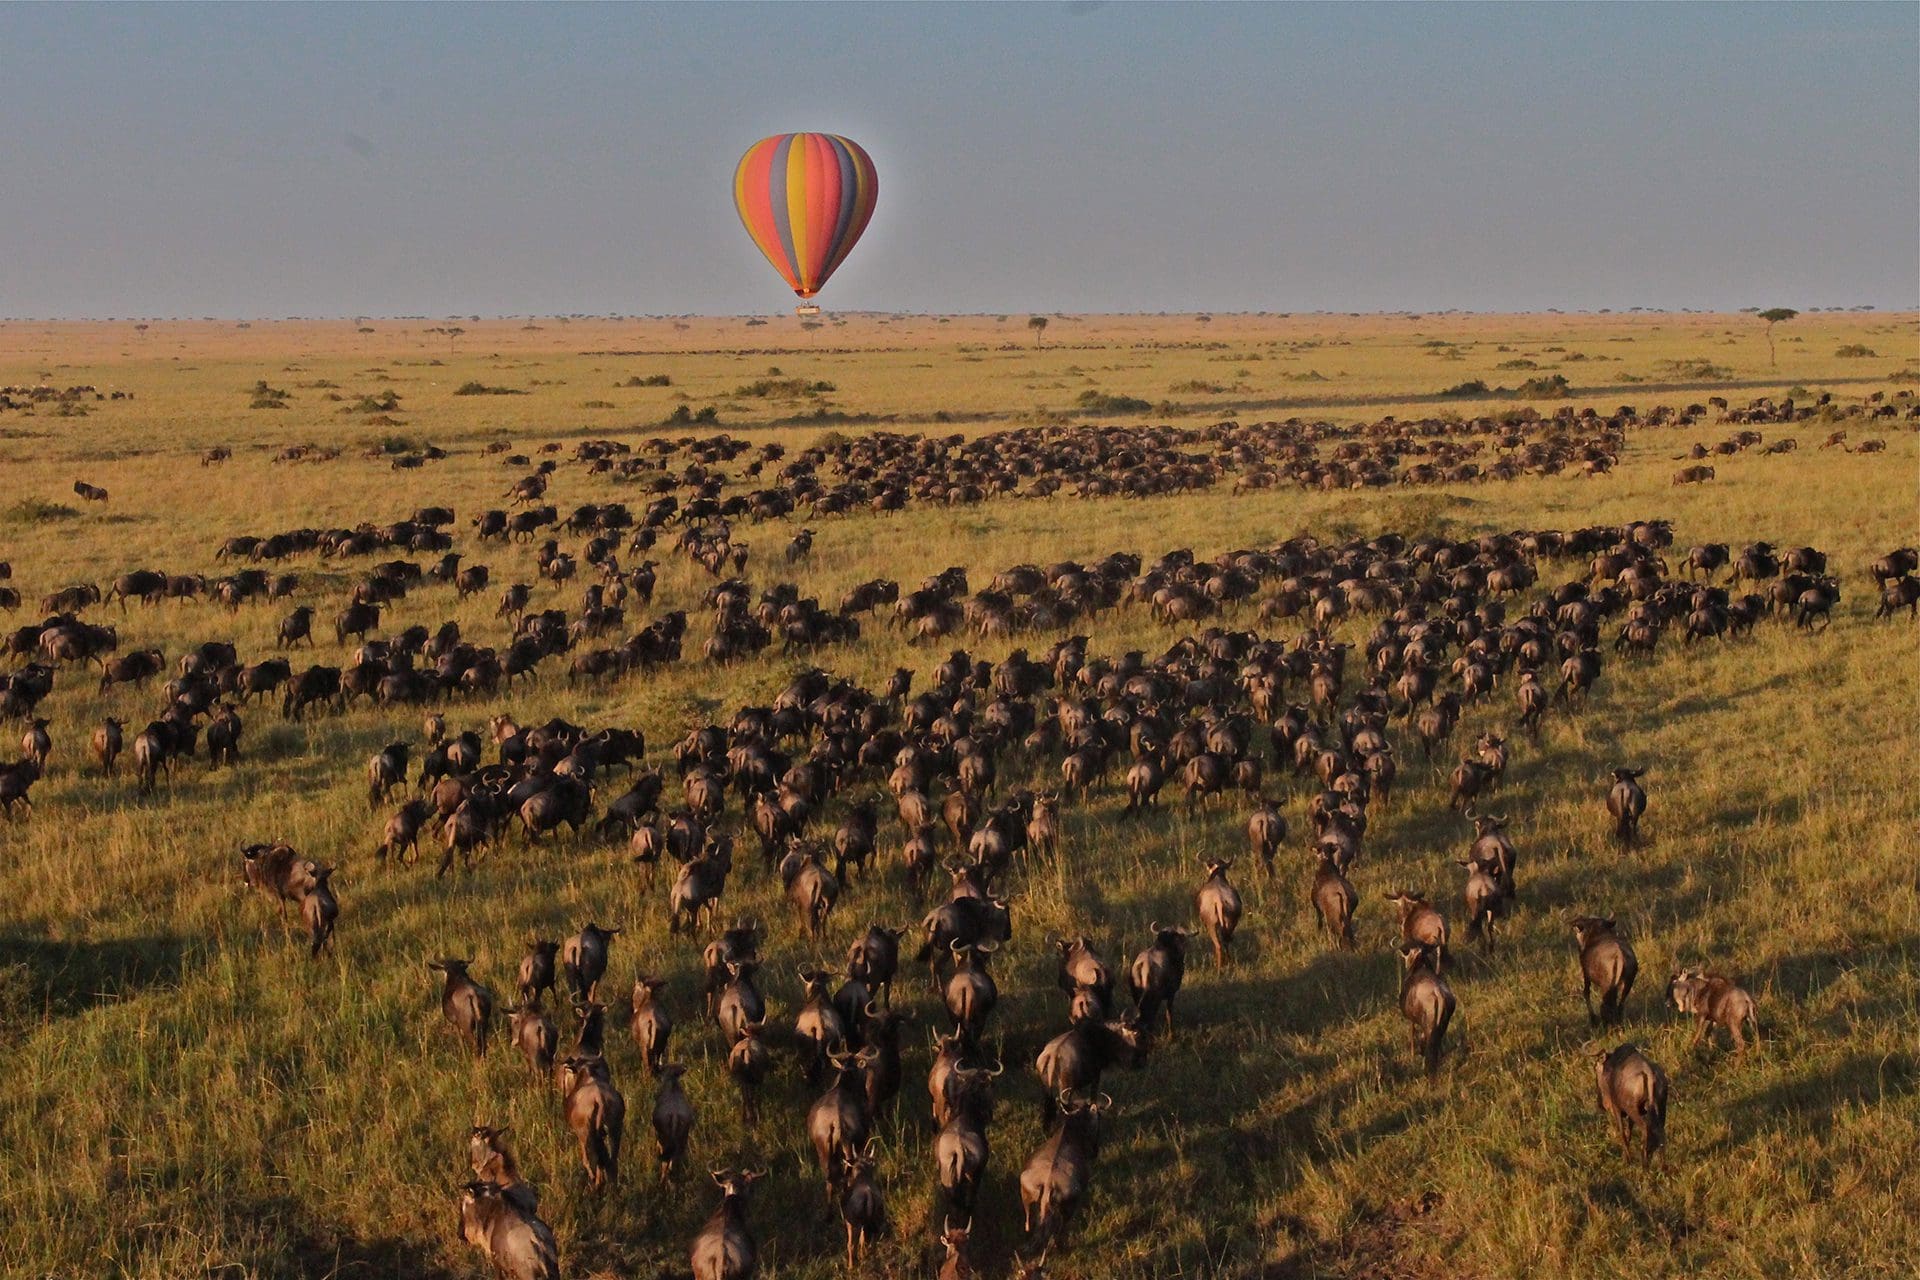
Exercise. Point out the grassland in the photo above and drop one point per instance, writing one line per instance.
(183, 1093)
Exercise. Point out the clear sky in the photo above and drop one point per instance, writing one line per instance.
(279, 160)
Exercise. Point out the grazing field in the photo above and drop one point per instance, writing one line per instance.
(186, 1092)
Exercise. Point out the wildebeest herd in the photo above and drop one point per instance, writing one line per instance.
(1301, 676)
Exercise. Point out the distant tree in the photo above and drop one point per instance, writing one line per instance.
(451, 332)
(1039, 326)
(1774, 316)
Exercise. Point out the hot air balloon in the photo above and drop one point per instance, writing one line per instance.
(805, 198)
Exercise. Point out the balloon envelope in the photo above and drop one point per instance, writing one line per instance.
(805, 198)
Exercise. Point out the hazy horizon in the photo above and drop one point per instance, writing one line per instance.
(299, 161)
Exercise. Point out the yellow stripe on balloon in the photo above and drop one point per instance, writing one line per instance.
(803, 266)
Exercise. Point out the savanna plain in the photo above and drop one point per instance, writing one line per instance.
(184, 1091)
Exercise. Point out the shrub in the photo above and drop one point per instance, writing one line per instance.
(651, 380)
(1855, 351)
(1552, 387)
(482, 389)
(1516, 364)
(1474, 387)
(782, 389)
(386, 402)
(1696, 368)
(1099, 402)
(266, 397)
(35, 510)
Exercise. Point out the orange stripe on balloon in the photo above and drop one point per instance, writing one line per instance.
(823, 199)
(752, 199)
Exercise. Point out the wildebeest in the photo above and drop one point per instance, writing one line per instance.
(649, 1023)
(1059, 1174)
(532, 1032)
(1217, 905)
(467, 1005)
(319, 908)
(673, 1118)
(107, 738)
(1633, 1093)
(1421, 925)
(1627, 801)
(1075, 1059)
(1713, 1000)
(1485, 902)
(16, 780)
(518, 1244)
(583, 957)
(1334, 899)
(839, 1122)
(402, 833)
(1606, 962)
(1157, 973)
(597, 1115)
(1426, 1001)
(725, 1248)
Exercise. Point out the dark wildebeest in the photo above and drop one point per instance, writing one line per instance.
(1633, 1094)
(1606, 962)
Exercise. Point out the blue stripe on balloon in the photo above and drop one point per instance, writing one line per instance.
(849, 197)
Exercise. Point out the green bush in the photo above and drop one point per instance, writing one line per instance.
(1552, 387)
(782, 389)
(1855, 351)
(482, 389)
(35, 510)
(1099, 402)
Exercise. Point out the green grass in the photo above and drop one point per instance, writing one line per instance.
(184, 1093)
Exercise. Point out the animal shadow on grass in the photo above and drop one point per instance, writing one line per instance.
(1372, 1248)
(58, 979)
(313, 1250)
(1861, 1079)
(1333, 989)
(1624, 1194)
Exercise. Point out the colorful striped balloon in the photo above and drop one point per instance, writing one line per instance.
(805, 198)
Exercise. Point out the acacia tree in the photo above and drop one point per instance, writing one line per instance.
(1039, 326)
(1773, 317)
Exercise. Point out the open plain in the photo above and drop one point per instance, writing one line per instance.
(186, 1091)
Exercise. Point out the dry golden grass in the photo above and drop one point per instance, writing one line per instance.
(185, 1094)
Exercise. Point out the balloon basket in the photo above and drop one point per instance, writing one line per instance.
(807, 309)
